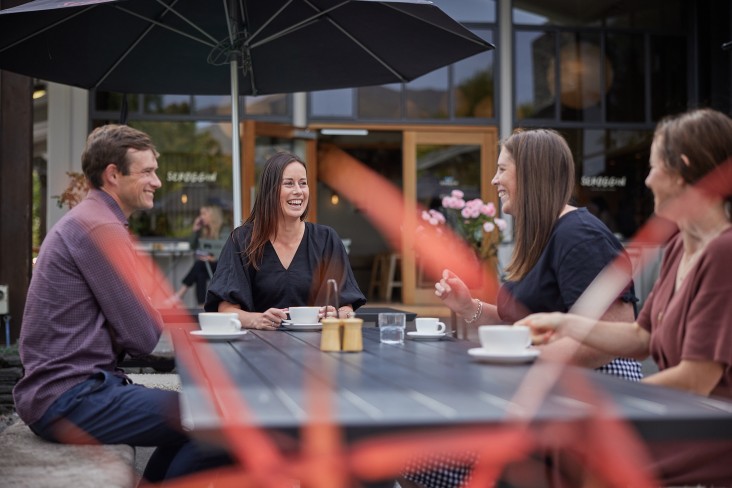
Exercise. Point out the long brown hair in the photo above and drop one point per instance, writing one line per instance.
(544, 186)
(267, 211)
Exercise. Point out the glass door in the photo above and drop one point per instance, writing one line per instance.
(435, 164)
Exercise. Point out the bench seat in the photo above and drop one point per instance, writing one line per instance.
(29, 461)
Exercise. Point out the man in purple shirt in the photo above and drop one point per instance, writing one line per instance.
(86, 308)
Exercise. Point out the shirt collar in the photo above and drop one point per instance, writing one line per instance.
(106, 199)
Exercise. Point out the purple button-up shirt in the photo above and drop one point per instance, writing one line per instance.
(81, 312)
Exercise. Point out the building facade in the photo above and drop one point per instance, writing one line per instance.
(602, 72)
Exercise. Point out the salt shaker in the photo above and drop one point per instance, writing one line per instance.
(330, 338)
(352, 335)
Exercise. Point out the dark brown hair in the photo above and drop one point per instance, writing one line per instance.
(267, 211)
(704, 136)
(107, 145)
(544, 186)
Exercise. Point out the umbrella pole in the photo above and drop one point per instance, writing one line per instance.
(235, 143)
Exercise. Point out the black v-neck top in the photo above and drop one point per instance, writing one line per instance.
(319, 257)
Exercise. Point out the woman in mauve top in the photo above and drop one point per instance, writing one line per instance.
(686, 322)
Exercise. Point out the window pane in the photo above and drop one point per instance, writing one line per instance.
(380, 102)
(440, 170)
(534, 75)
(195, 169)
(332, 103)
(668, 76)
(112, 102)
(584, 74)
(626, 95)
(611, 170)
(649, 14)
(212, 105)
(277, 104)
(427, 96)
(667, 15)
(167, 104)
(474, 84)
(469, 10)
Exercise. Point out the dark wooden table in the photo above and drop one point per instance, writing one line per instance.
(418, 385)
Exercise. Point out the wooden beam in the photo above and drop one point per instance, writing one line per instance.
(16, 192)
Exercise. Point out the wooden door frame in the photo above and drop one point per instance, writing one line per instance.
(484, 137)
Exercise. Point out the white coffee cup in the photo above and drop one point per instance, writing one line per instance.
(219, 322)
(505, 339)
(304, 315)
(429, 325)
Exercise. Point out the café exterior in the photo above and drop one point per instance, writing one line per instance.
(601, 72)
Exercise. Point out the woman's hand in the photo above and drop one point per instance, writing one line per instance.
(454, 292)
(546, 327)
(345, 312)
(269, 320)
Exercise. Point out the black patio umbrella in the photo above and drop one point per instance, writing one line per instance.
(240, 47)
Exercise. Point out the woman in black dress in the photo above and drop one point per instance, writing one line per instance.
(276, 260)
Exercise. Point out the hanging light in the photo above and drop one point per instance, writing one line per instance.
(39, 91)
(334, 199)
(184, 199)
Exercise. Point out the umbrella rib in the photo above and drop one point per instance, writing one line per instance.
(41, 31)
(185, 19)
(270, 20)
(160, 24)
(299, 25)
(122, 57)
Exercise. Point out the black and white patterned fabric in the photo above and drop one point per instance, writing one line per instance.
(441, 471)
(626, 368)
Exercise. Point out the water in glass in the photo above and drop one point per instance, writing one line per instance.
(391, 328)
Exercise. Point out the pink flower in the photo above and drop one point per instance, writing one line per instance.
(488, 210)
(501, 224)
(458, 194)
(488, 227)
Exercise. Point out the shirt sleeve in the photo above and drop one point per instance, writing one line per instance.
(334, 264)
(110, 266)
(231, 282)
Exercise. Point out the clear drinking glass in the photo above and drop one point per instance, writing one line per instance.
(391, 327)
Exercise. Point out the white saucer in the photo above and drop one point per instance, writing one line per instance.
(218, 336)
(286, 324)
(426, 336)
(525, 356)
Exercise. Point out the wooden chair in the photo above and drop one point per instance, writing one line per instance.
(383, 276)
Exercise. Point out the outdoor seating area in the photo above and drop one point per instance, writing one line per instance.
(366, 243)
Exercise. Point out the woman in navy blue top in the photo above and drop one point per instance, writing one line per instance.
(559, 249)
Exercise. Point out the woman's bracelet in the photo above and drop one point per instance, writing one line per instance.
(477, 312)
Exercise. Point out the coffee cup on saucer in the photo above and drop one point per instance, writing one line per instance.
(304, 315)
(429, 325)
(219, 322)
(504, 339)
